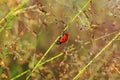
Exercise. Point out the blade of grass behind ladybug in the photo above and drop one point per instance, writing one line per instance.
(72, 21)
(84, 19)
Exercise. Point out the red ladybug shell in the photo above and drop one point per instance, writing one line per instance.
(64, 38)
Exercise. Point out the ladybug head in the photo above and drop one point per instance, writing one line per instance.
(66, 34)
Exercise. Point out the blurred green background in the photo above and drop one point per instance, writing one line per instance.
(38, 23)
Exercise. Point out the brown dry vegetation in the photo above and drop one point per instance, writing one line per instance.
(27, 32)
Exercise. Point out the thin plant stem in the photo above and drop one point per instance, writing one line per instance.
(24, 9)
(55, 57)
(57, 39)
(101, 37)
(60, 54)
(10, 16)
(20, 75)
(101, 63)
(82, 9)
(98, 54)
(51, 58)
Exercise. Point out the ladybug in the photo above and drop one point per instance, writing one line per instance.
(63, 38)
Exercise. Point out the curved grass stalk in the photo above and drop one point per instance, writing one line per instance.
(98, 54)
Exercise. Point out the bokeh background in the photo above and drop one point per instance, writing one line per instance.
(39, 22)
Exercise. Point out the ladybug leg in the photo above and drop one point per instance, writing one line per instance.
(61, 34)
(58, 43)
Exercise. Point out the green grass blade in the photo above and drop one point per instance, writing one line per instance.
(98, 54)
(10, 16)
